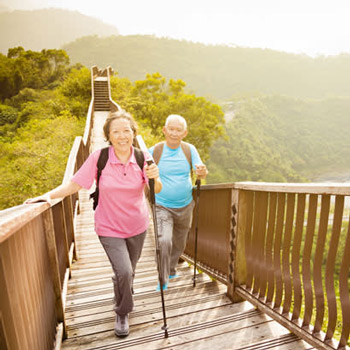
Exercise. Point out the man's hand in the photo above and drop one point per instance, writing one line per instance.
(201, 171)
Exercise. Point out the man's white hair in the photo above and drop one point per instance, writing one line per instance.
(178, 118)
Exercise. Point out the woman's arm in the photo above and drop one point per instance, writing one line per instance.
(61, 191)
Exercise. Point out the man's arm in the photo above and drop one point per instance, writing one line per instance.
(200, 168)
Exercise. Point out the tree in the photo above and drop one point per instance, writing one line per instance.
(58, 62)
(153, 99)
(30, 69)
(10, 80)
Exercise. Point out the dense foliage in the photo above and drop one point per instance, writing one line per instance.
(36, 157)
(39, 122)
(29, 69)
(283, 139)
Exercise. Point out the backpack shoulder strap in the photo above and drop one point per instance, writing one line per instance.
(157, 151)
(101, 163)
(186, 149)
(140, 157)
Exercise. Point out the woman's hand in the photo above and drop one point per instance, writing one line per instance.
(152, 171)
(44, 198)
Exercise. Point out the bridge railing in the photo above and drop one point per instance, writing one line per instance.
(286, 249)
(214, 231)
(37, 247)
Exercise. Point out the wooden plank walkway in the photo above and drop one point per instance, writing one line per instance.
(198, 318)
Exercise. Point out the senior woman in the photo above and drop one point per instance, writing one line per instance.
(121, 216)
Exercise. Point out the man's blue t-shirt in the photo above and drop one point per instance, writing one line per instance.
(175, 174)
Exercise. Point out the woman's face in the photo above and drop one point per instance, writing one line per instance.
(121, 135)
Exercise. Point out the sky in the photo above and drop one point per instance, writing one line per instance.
(311, 27)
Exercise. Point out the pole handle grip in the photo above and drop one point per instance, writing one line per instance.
(151, 184)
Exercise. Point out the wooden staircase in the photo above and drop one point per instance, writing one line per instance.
(101, 94)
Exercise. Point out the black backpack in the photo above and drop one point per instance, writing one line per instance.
(101, 163)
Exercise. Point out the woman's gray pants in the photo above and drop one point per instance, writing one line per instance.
(123, 254)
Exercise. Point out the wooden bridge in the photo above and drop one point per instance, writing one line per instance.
(273, 257)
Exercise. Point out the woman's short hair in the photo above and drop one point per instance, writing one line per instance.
(178, 118)
(119, 115)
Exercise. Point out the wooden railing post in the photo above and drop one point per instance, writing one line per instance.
(237, 260)
(54, 264)
(59, 222)
(69, 224)
(344, 292)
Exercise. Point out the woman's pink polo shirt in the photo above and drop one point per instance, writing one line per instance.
(122, 210)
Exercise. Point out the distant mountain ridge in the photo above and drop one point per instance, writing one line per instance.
(47, 28)
(218, 71)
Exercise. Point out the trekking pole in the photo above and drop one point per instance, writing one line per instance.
(198, 184)
(154, 215)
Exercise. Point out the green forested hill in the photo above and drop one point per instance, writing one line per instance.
(217, 71)
(284, 139)
(47, 28)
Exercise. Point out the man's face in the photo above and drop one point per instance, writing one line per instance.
(174, 133)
